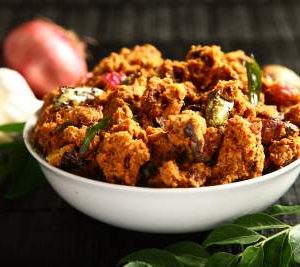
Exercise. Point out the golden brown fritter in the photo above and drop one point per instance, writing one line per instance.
(241, 155)
(120, 157)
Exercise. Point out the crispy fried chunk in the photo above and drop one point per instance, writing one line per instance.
(120, 157)
(284, 151)
(145, 57)
(163, 97)
(241, 155)
(186, 132)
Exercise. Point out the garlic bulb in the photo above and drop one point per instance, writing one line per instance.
(17, 102)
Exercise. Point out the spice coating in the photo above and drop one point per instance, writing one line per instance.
(169, 123)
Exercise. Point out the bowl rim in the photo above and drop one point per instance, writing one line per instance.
(85, 180)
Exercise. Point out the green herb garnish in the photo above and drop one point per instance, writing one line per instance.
(20, 174)
(279, 247)
(91, 132)
(254, 81)
(12, 127)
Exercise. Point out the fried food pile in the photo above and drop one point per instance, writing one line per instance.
(143, 120)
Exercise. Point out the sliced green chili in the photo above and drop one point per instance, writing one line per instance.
(217, 110)
(254, 81)
(91, 132)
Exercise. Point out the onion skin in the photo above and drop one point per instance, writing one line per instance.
(46, 55)
(281, 85)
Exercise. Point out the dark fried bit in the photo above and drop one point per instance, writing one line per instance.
(120, 157)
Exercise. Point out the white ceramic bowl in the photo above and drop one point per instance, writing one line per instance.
(155, 210)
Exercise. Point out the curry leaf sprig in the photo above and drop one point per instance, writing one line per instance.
(267, 242)
(91, 132)
(254, 81)
(20, 174)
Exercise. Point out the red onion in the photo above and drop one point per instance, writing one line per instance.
(46, 54)
(281, 85)
(113, 79)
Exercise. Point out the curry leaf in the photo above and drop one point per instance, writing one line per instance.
(252, 257)
(254, 81)
(154, 257)
(231, 234)
(260, 221)
(24, 173)
(277, 210)
(12, 127)
(91, 132)
(191, 261)
(139, 264)
(188, 248)
(222, 259)
(277, 252)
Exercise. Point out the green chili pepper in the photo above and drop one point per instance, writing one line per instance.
(254, 81)
(217, 110)
(91, 132)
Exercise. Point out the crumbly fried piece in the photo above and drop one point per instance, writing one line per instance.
(193, 175)
(181, 137)
(185, 131)
(293, 115)
(80, 115)
(207, 66)
(50, 134)
(213, 138)
(133, 93)
(284, 151)
(160, 146)
(120, 157)
(196, 174)
(236, 61)
(132, 127)
(231, 91)
(74, 135)
(241, 155)
(162, 98)
(267, 111)
(128, 61)
(176, 70)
